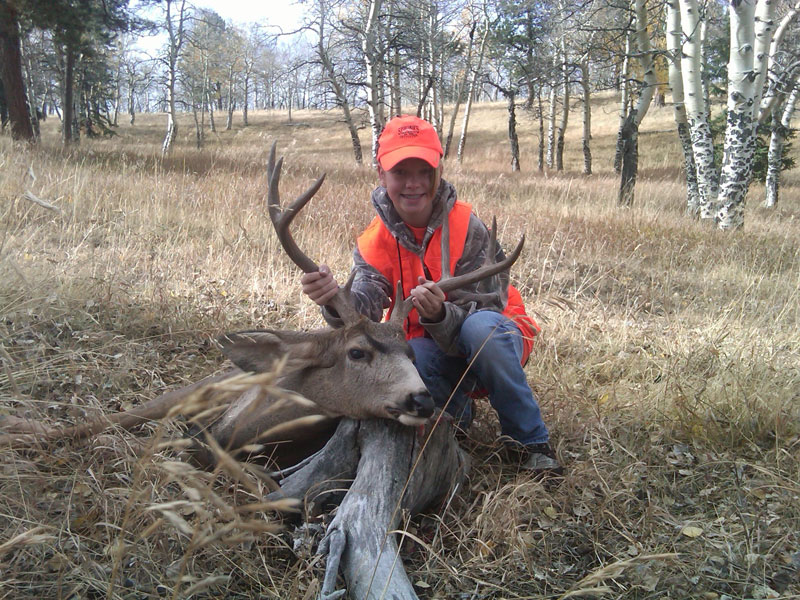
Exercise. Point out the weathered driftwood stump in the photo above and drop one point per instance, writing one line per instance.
(393, 468)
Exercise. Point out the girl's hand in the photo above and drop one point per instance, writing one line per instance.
(428, 299)
(320, 286)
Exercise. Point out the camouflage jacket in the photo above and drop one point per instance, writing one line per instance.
(374, 293)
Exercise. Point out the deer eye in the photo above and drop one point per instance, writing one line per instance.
(356, 354)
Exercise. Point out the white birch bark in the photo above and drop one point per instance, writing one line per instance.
(561, 130)
(696, 109)
(229, 119)
(330, 75)
(623, 101)
(540, 158)
(740, 144)
(372, 65)
(630, 133)
(679, 107)
(175, 34)
(473, 84)
(587, 116)
(775, 152)
(462, 85)
(646, 60)
(703, 63)
(131, 98)
(771, 96)
(551, 115)
(764, 30)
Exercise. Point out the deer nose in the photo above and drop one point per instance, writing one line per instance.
(420, 404)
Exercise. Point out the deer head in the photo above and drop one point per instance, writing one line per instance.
(360, 370)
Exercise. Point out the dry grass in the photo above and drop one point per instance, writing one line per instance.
(668, 370)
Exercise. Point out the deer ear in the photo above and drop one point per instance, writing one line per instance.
(257, 351)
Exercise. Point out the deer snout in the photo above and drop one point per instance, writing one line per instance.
(420, 405)
(414, 410)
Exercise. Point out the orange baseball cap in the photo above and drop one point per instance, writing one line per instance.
(408, 137)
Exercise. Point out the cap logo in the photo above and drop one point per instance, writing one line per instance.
(408, 131)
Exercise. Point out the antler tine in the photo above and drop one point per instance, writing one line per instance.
(460, 281)
(282, 219)
(402, 307)
(446, 274)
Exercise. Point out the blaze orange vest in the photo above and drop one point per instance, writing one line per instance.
(379, 248)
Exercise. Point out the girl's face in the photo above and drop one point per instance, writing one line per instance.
(409, 185)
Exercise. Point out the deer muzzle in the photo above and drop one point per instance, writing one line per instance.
(414, 410)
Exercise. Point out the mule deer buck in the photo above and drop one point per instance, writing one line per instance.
(364, 371)
(361, 355)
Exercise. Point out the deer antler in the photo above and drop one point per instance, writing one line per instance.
(448, 283)
(342, 302)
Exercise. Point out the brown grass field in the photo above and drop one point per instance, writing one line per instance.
(668, 369)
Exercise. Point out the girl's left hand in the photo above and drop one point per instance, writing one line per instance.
(428, 299)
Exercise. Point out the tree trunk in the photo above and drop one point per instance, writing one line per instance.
(11, 74)
(229, 119)
(198, 128)
(462, 84)
(245, 93)
(117, 92)
(561, 130)
(630, 160)
(630, 132)
(336, 88)
(396, 92)
(371, 64)
(67, 92)
(624, 101)
(764, 29)
(211, 123)
(740, 128)
(131, 95)
(774, 72)
(551, 115)
(512, 129)
(173, 51)
(473, 84)
(587, 117)
(679, 107)
(540, 161)
(423, 99)
(697, 110)
(775, 154)
(31, 94)
(172, 123)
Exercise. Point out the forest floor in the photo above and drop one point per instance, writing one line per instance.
(668, 369)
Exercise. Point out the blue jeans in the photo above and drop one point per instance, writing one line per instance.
(492, 343)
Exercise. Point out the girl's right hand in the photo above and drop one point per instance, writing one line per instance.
(320, 286)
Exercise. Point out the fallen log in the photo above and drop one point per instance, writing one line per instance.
(394, 469)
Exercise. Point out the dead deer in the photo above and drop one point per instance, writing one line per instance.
(361, 370)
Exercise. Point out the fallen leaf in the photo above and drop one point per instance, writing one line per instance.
(691, 531)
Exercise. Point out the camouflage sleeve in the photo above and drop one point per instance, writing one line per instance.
(371, 290)
(489, 294)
